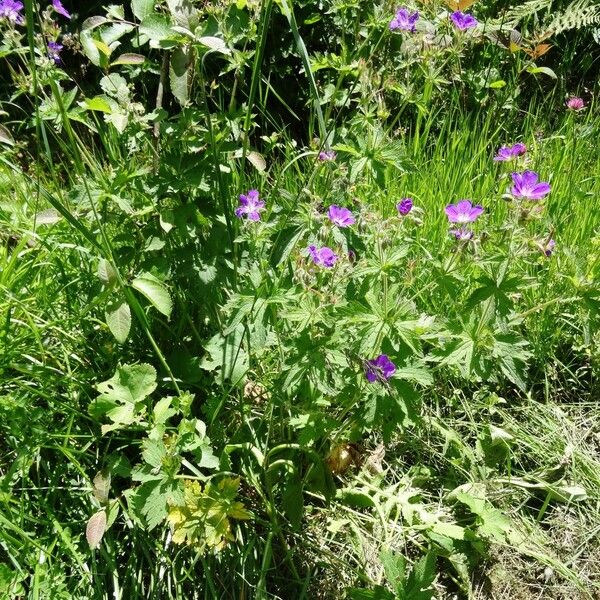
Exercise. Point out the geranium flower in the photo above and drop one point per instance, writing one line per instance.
(54, 49)
(250, 205)
(404, 20)
(60, 9)
(506, 153)
(463, 212)
(519, 149)
(463, 21)
(549, 247)
(527, 185)
(340, 216)
(575, 104)
(327, 155)
(404, 206)
(379, 368)
(322, 257)
(10, 10)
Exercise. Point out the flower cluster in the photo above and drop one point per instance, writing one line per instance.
(327, 155)
(10, 10)
(506, 153)
(462, 213)
(575, 104)
(54, 49)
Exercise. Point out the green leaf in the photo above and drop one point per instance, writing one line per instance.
(256, 160)
(155, 291)
(183, 12)
(94, 531)
(118, 318)
(5, 136)
(215, 44)
(89, 47)
(180, 73)
(129, 58)
(156, 27)
(100, 103)
(419, 583)
(163, 410)
(394, 566)
(544, 70)
(142, 8)
(130, 384)
(102, 486)
(154, 452)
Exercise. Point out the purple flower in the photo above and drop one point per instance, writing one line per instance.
(519, 149)
(575, 103)
(11, 11)
(463, 20)
(340, 216)
(322, 257)
(327, 155)
(379, 368)
(549, 248)
(506, 153)
(54, 49)
(463, 212)
(526, 185)
(60, 9)
(404, 21)
(250, 205)
(462, 234)
(404, 206)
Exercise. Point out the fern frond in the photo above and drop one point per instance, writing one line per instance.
(577, 15)
(525, 10)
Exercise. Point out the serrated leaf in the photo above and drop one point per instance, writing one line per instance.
(5, 136)
(567, 493)
(96, 526)
(93, 22)
(544, 70)
(163, 410)
(129, 58)
(155, 291)
(183, 12)
(257, 160)
(156, 27)
(118, 318)
(215, 44)
(48, 217)
(89, 47)
(102, 47)
(116, 31)
(106, 272)
(142, 8)
(180, 72)
(154, 452)
(102, 486)
(130, 384)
